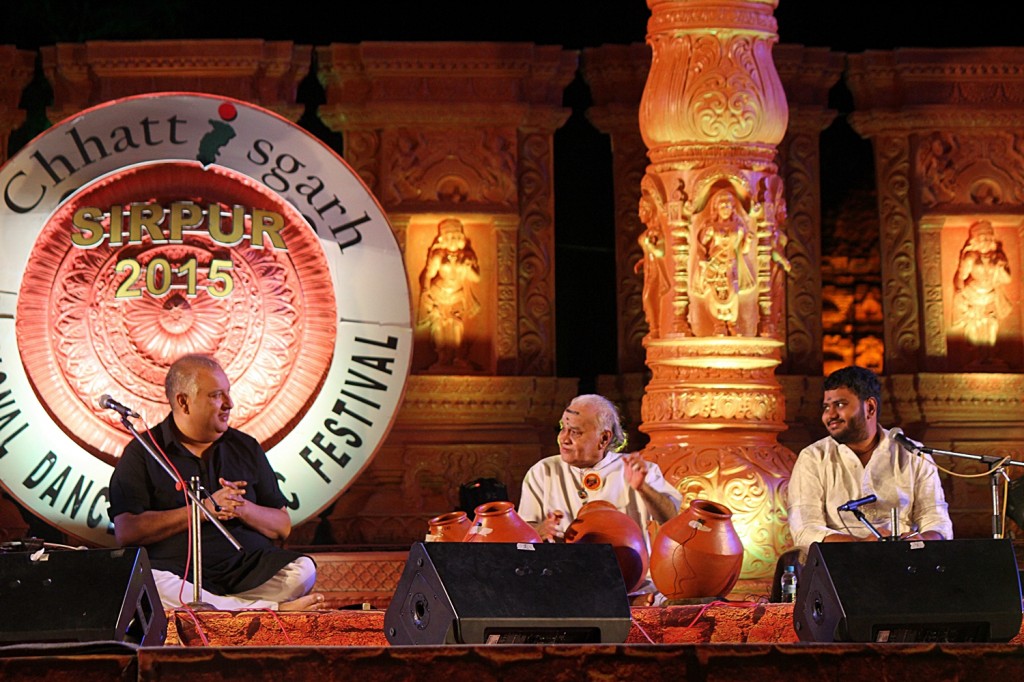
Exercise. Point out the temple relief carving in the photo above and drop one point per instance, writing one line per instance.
(447, 297)
(725, 271)
(982, 275)
(450, 167)
(976, 170)
(653, 266)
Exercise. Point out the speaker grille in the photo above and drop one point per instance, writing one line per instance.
(943, 591)
(91, 595)
(496, 593)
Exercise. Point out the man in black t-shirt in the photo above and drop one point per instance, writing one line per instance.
(148, 510)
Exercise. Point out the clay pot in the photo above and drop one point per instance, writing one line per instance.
(697, 553)
(499, 522)
(601, 523)
(449, 527)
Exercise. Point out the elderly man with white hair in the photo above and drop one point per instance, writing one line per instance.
(590, 466)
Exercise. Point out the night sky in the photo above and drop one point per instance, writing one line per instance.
(845, 26)
(586, 332)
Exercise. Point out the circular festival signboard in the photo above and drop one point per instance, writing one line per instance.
(150, 227)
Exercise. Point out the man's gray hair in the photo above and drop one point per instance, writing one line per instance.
(607, 417)
(181, 375)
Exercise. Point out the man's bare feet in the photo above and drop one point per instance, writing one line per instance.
(642, 599)
(310, 602)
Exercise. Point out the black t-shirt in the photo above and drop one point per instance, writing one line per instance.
(140, 484)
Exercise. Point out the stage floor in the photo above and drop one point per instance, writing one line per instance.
(784, 662)
(742, 639)
(715, 622)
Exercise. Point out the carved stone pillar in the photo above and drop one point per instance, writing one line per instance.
(16, 69)
(457, 138)
(263, 72)
(616, 76)
(711, 115)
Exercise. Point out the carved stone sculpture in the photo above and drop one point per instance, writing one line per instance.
(447, 299)
(979, 298)
(725, 272)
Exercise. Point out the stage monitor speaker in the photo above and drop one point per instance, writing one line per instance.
(942, 591)
(508, 593)
(90, 595)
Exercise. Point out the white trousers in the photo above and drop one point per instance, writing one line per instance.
(291, 582)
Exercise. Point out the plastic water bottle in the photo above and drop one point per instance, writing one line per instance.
(789, 584)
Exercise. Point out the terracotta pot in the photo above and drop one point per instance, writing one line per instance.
(697, 553)
(600, 522)
(450, 527)
(499, 522)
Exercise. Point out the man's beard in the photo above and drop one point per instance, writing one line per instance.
(854, 431)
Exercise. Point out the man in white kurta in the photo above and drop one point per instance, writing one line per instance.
(857, 459)
(553, 484)
(589, 467)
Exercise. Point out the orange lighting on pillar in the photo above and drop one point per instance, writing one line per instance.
(711, 115)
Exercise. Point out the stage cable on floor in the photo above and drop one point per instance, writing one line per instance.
(280, 623)
(718, 602)
(195, 619)
(641, 629)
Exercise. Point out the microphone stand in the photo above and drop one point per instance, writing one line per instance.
(997, 468)
(195, 507)
(870, 526)
(195, 523)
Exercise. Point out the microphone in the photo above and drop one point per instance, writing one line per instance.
(854, 504)
(108, 403)
(903, 440)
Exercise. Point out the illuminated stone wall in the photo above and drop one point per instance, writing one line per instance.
(16, 69)
(456, 142)
(946, 128)
(462, 162)
(935, 187)
(264, 72)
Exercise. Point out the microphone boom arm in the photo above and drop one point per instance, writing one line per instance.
(996, 469)
(984, 459)
(870, 526)
(909, 444)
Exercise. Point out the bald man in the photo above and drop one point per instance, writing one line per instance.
(148, 511)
